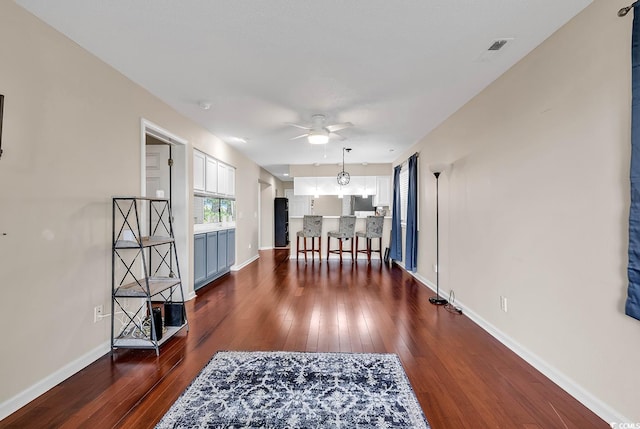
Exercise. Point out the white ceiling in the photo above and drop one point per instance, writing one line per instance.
(395, 69)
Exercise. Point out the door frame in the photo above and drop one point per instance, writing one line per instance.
(259, 215)
(180, 195)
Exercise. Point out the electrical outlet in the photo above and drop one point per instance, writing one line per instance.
(97, 313)
(503, 303)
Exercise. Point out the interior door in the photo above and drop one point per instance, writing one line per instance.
(158, 178)
(158, 172)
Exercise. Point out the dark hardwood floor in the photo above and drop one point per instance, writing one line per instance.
(462, 376)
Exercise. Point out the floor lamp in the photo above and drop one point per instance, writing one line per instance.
(437, 300)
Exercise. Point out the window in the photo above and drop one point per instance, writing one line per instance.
(213, 210)
(404, 191)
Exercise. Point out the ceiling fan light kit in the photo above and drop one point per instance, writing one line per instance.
(318, 132)
(318, 137)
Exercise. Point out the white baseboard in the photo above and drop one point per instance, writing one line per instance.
(244, 264)
(266, 248)
(191, 295)
(12, 405)
(601, 409)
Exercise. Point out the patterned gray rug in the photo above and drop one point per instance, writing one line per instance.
(298, 390)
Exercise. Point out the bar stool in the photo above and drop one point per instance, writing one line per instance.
(311, 228)
(346, 228)
(373, 230)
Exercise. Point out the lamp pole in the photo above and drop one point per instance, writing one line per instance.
(436, 300)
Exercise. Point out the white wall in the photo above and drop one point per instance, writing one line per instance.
(535, 208)
(71, 141)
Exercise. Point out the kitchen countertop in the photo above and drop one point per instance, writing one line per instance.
(202, 228)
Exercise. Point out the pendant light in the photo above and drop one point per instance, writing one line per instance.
(343, 176)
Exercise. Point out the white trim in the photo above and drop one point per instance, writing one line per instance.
(259, 214)
(148, 127)
(238, 267)
(600, 408)
(162, 134)
(189, 296)
(12, 405)
(267, 248)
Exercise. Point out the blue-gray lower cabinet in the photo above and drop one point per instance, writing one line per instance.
(222, 248)
(214, 253)
(231, 247)
(199, 258)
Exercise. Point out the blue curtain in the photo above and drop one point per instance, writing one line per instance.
(632, 307)
(411, 250)
(396, 228)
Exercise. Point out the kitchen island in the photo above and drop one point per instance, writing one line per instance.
(330, 223)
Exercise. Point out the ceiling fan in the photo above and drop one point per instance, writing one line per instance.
(318, 132)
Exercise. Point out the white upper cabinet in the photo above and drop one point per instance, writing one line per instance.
(231, 181)
(383, 191)
(358, 185)
(199, 159)
(212, 175)
(222, 179)
(305, 186)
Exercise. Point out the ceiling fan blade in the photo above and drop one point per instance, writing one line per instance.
(302, 127)
(337, 127)
(300, 136)
(339, 136)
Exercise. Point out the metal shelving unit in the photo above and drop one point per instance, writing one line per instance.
(145, 272)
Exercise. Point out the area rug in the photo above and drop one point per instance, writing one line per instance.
(298, 390)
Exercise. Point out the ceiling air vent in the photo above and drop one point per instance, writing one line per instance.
(495, 50)
(497, 45)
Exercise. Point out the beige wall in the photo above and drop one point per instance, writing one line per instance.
(535, 208)
(327, 205)
(327, 170)
(72, 131)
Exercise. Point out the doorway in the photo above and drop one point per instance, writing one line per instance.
(157, 147)
(158, 168)
(266, 194)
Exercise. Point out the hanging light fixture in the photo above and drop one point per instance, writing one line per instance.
(343, 176)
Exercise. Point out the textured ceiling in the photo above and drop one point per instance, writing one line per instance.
(395, 69)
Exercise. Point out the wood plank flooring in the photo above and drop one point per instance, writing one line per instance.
(462, 376)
